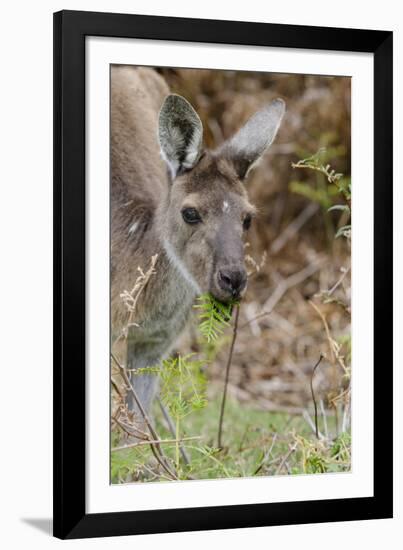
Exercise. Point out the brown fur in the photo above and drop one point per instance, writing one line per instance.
(139, 175)
(147, 202)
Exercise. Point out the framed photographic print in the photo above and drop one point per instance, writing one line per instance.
(223, 274)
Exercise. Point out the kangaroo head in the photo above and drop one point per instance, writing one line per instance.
(207, 212)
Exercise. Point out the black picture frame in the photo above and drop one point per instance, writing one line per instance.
(70, 517)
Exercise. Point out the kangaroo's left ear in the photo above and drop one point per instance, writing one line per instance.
(252, 140)
(180, 134)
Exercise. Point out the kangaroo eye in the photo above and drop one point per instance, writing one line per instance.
(191, 215)
(247, 221)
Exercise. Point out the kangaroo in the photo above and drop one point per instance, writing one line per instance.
(173, 198)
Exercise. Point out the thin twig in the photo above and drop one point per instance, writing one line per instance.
(155, 447)
(243, 438)
(130, 430)
(153, 442)
(171, 427)
(291, 281)
(154, 476)
(344, 393)
(338, 283)
(322, 410)
(266, 456)
(336, 418)
(227, 369)
(345, 417)
(263, 314)
(293, 228)
(117, 390)
(334, 347)
(313, 395)
(312, 163)
(285, 458)
(143, 413)
(309, 420)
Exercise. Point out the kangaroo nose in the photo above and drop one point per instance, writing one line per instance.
(232, 280)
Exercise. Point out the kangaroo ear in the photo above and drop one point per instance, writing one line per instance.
(180, 134)
(252, 140)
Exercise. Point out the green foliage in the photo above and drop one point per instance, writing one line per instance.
(315, 464)
(341, 447)
(329, 184)
(214, 316)
(183, 386)
(131, 464)
(261, 443)
(317, 162)
(253, 434)
(344, 187)
(183, 391)
(320, 456)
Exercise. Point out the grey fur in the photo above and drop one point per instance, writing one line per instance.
(252, 140)
(180, 133)
(147, 207)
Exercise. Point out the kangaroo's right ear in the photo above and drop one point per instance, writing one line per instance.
(180, 134)
(250, 142)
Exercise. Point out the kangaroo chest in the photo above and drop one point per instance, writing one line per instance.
(164, 320)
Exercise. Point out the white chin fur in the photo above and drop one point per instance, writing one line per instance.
(180, 266)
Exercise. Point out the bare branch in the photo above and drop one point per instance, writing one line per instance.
(291, 281)
(153, 442)
(285, 458)
(293, 228)
(227, 369)
(155, 447)
(333, 345)
(322, 410)
(131, 431)
(313, 395)
(266, 456)
(345, 271)
(263, 314)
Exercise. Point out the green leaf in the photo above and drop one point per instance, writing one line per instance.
(214, 316)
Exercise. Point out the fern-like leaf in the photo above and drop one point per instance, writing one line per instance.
(214, 316)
